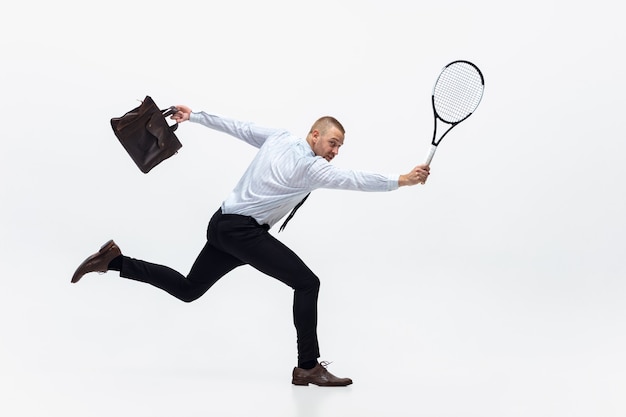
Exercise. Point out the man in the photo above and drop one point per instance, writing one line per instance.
(285, 170)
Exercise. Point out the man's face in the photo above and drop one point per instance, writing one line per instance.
(327, 144)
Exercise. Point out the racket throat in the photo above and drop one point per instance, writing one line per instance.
(435, 142)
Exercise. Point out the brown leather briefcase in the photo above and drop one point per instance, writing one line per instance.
(146, 135)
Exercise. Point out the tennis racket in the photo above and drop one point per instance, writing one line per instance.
(456, 94)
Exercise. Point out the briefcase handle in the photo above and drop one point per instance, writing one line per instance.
(168, 112)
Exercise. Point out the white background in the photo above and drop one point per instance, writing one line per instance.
(497, 289)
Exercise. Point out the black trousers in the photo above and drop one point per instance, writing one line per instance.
(232, 241)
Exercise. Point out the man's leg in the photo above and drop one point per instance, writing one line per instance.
(210, 265)
(251, 243)
(246, 240)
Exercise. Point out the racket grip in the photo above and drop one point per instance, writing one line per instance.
(431, 154)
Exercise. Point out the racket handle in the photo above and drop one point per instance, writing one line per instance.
(433, 149)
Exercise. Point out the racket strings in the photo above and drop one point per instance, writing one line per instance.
(458, 92)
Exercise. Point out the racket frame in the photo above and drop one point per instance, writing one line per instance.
(435, 142)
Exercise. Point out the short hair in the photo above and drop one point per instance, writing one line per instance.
(323, 123)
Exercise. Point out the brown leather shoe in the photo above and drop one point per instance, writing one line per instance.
(99, 261)
(318, 376)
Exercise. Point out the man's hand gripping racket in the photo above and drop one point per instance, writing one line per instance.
(456, 94)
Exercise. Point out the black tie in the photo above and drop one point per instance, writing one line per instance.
(293, 212)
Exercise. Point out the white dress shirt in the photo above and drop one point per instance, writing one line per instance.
(284, 171)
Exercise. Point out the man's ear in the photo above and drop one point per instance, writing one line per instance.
(315, 134)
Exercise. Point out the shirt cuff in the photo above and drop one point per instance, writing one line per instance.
(393, 182)
(195, 117)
